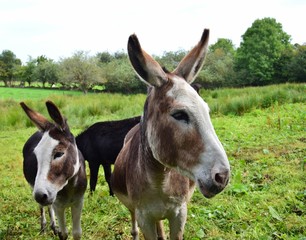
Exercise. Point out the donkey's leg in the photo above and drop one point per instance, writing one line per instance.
(177, 223)
(134, 231)
(76, 212)
(108, 173)
(43, 221)
(60, 214)
(52, 220)
(160, 230)
(147, 225)
(94, 169)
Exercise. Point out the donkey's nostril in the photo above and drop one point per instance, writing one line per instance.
(222, 178)
(218, 178)
(41, 198)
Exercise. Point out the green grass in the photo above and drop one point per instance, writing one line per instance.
(22, 94)
(243, 100)
(266, 197)
(81, 110)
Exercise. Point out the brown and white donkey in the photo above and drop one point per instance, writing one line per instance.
(55, 169)
(173, 149)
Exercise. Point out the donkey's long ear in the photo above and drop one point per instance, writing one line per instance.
(192, 63)
(145, 66)
(39, 120)
(56, 115)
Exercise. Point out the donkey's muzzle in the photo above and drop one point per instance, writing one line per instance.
(214, 185)
(42, 197)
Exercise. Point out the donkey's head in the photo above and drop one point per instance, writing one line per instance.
(56, 154)
(178, 130)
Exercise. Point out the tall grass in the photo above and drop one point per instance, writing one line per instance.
(81, 111)
(240, 101)
(84, 110)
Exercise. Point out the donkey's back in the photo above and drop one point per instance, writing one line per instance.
(100, 145)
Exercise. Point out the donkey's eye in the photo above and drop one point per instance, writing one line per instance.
(58, 155)
(181, 116)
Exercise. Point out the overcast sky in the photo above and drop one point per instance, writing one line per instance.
(58, 28)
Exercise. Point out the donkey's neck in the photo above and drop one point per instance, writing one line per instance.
(146, 156)
(169, 183)
(172, 183)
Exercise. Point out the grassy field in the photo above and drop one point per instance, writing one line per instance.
(263, 133)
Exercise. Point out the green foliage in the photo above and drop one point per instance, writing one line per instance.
(80, 70)
(8, 65)
(218, 70)
(225, 44)
(297, 66)
(46, 71)
(170, 60)
(262, 46)
(27, 75)
(121, 76)
(104, 57)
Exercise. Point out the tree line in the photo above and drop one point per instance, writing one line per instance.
(265, 56)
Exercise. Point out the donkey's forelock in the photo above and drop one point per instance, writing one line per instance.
(183, 89)
(62, 135)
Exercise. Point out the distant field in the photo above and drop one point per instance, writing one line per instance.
(263, 133)
(21, 94)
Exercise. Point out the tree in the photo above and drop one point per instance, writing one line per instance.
(120, 55)
(261, 47)
(104, 57)
(225, 44)
(218, 70)
(170, 60)
(41, 59)
(297, 67)
(282, 68)
(27, 74)
(9, 64)
(80, 70)
(46, 71)
(120, 77)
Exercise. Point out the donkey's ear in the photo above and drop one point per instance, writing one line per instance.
(145, 66)
(192, 63)
(39, 120)
(56, 115)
